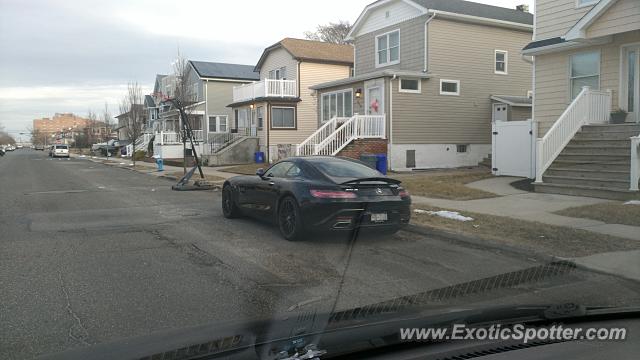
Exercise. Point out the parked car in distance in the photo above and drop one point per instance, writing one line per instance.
(59, 151)
(314, 193)
(39, 147)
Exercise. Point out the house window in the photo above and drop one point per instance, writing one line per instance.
(501, 58)
(278, 74)
(449, 87)
(339, 103)
(410, 85)
(283, 118)
(260, 116)
(218, 123)
(461, 149)
(585, 71)
(388, 48)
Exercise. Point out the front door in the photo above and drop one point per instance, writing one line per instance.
(374, 97)
(631, 83)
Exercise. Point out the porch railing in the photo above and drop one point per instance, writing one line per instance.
(219, 141)
(635, 163)
(265, 88)
(168, 137)
(310, 145)
(357, 127)
(589, 107)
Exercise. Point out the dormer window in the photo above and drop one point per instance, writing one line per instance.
(388, 48)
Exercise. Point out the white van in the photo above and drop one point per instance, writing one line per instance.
(60, 151)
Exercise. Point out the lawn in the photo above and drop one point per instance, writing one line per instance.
(610, 213)
(445, 184)
(246, 169)
(528, 235)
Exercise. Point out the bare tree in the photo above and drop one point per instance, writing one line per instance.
(37, 137)
(106, 118)
(92, 123)
(184, 97)
(5, 138)
(131, 106)
(335, 33)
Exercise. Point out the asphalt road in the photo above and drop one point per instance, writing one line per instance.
(92, 253)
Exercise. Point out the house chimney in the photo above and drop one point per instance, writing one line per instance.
(523, 8)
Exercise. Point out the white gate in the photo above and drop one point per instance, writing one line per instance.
(513, 148)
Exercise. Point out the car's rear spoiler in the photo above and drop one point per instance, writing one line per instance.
(383, 179)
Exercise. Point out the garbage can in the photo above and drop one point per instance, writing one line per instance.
(369, 159)
(160, 164)
(381, 163)
(259, 157)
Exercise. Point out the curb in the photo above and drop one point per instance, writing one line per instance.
(479, 243)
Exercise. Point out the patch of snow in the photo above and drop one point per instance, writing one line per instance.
(632, 202)
(453, 215)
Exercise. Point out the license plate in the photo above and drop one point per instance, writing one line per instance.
(381, 217)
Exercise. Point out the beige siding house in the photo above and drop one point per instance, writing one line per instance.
(430, 68)
(280, 109)
(586, 65)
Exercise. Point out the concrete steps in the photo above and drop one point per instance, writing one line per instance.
(486, 162)
(595, 163)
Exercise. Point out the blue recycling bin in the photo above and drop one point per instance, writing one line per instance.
(381, 163)
(259, 157)
(160, 164)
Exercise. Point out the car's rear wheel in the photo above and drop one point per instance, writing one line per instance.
(289, 219)
(229, 208)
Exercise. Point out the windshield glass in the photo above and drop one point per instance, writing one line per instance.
(345, 169)
(197, 175)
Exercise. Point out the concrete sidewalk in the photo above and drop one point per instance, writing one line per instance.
(152, 169)
(529, 206)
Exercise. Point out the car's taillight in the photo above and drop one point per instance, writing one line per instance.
(403, 193)
(332, 194)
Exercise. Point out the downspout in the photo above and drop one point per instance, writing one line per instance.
(426, 43)
(390, 120)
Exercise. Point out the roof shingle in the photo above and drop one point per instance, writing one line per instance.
(311, 50)
(224, 71)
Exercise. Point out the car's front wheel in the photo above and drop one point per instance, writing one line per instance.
(229, 208)
(289, 219)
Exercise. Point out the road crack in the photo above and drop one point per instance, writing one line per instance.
(77, 331)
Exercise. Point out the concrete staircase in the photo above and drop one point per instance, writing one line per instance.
(595, 163)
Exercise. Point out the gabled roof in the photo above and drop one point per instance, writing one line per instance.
(224, 71)
(311, 50)
(579, 29)
(148, 101)
(159, 78)
(464, 9)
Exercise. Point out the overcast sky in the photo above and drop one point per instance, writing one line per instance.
(75, 55)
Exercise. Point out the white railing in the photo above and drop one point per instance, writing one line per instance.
(310, 145)
(635, 163)
(198, 135)
(358, 127)
(589, 107)
(265, 88)
(168, 137)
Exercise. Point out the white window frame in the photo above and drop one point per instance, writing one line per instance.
(284, 127)
(216, 120)
(457, 82)
(506, 62)
(389, 62)
(400, 89)
(342, 91)
(571, 78)
(584, 3)
(259, 124)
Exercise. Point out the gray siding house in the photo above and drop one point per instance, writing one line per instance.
(431, 68)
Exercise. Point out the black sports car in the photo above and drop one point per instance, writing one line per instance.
(319, 193)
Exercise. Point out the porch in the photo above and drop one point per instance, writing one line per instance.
(265, 89)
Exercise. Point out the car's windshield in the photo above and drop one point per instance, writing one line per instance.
(198, 175)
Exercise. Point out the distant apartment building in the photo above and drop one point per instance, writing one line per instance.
(60, 122)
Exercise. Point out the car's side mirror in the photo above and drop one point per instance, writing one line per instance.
(260, 172)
